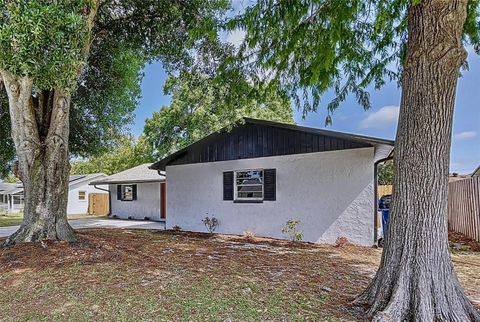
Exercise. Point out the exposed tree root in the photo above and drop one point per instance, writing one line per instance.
(427, 295)
(36, 233)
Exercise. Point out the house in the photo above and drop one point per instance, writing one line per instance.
(452, 177)
(136, 193)
(261, 174)
(12, 198)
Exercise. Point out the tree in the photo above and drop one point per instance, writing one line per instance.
(128, 154)
(385, 173)
(312, 46)
(201, 106)
(53, 52)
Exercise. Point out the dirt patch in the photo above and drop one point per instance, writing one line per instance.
(178, 276)
(462, 242)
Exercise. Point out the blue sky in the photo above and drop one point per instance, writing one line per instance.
(380, 120)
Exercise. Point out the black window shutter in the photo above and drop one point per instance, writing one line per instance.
(134, 192)
(119, 192)
(270, 184)
(228, 185)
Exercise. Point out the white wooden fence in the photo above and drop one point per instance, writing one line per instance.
(464, 207)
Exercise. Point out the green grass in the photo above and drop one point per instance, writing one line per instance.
(10, 219)
(16, 219)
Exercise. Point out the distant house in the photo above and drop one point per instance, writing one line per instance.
(12, 198)
(452, 177)
(136, 193)
(261, 174)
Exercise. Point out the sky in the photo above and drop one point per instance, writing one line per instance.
(379, 121)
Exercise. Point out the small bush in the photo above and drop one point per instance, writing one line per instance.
(210, 223)
(291, 229)
(342, 242)
(249, 235)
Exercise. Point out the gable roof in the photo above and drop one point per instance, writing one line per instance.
(138, 174)
(9, 188)
(74, 181)
(254, 138)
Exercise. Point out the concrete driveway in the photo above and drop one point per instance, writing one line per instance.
(100, 223)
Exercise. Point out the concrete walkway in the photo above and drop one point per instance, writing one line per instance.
(100, 223)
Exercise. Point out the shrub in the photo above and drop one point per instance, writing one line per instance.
(249, 235)
(291, 229)
(210, 223)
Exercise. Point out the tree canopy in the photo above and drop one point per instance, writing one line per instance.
(385, 173)
(316, 45)
(127, 153)
(105, 84)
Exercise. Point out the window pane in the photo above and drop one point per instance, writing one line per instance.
(250, 195)
(256, 188)
(81, 195)
(249, 184)
(127, 192)
(250, 177)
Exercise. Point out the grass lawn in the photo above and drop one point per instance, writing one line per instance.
(16, 219)
(125, 275)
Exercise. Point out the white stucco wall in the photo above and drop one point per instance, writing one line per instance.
(76, 206)
(331, 193)
(146, 205)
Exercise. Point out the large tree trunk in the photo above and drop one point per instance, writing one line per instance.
(40, 132)
(416, 280)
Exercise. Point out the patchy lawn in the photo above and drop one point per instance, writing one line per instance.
(10, 219)
(16, 219)
(126, 275)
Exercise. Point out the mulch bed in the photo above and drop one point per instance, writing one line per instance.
(282, 280)
(460, 239)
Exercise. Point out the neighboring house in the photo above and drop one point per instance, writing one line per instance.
(262, 174)
(12, 199)
(452, 177)
(136, 193)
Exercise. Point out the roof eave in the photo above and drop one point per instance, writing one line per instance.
(96, 183)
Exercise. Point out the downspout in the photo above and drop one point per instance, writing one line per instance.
(109, 198)
(375, 197)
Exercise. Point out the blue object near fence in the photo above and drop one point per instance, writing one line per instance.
(385, 218)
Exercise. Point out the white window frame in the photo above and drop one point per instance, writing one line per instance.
(235, 190)
(123, 192)
(85, 196)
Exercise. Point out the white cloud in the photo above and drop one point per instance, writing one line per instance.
(465, 135)
(384, 117)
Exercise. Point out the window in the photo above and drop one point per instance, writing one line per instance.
(18, 200)
(249, 185)
(127, 192)
(82, 195)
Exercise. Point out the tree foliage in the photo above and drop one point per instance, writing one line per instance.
(35, 34)
(127, 154)
(316, 45)
(47, 41)
(385, 173)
